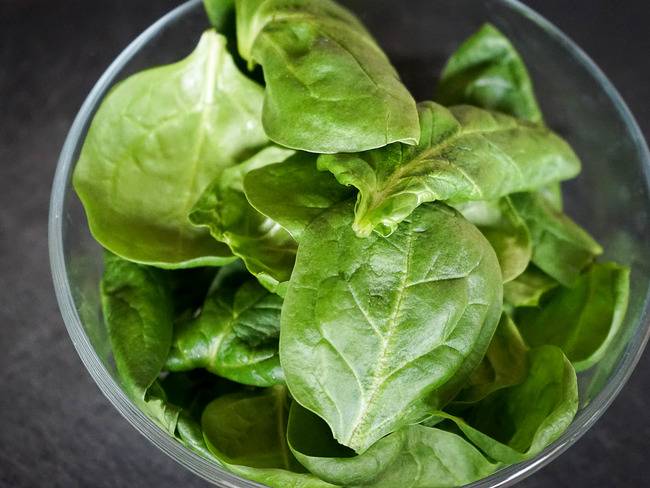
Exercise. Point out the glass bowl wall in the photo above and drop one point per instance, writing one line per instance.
(610, 197)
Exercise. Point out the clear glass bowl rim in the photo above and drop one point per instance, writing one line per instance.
(210, 470)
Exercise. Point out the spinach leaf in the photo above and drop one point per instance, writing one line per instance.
(329, 87)
(266, 248)
(465, 153)
(218, 12)
(582, 320)
(306, 192)
(246, 432)
(416, 456)
(190, 434)
(212, 341)
(506, 231)
(188, 394)
(488, 72)
(371, 327)
(138, 312)
(156, 406)
(561, 248)
(159, 138)
(528, 288)
(517, 423)
(505, 364)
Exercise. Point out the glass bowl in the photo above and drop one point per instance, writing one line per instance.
(611, 196)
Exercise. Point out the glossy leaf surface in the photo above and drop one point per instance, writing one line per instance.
(158, 140)
(465, 153)
(329, 87)
(373, 328)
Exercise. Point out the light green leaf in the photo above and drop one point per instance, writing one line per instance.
(517, 423)
(528, 289)
(561, 248)
(306, 192)
(329, 87)
(465, 153)
(246, 432)
(504, 228)
(159, 138)
(267, 249)
(211, 340)
(375, 330)
(414, 457)
(505, 364)
(488, 72)
(582, 320)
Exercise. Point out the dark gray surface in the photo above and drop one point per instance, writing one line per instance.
(56, 429)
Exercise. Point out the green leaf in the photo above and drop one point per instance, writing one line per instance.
(266, 248)
(487, 71)
(505, 364)
(528, 288)
(306, 192)
(329, 87)
(416, 456)
(218, 12)
(371, 327)
(190, 434)
(517, 423)
(159, 138)
(504, 228)
(211, 340)
(138, 311)
(246, 432)
(156, 406)
(188, 394)
(582, 320)
(561, 248)
(465, 153)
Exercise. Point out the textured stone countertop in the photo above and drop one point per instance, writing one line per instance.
(56, 428)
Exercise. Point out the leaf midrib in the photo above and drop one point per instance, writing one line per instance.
(379, 378)
(431, 152)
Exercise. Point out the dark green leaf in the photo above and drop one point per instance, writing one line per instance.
(504, 364)
(211, 340)
(188, 289)
(488, 72)
(582, 320)
(219, 12)
(266, 248)
(371, 327)
(158, 140)
(306, 192)
(329, 87)
(561, 248)
(465, 153)
(138, 312)
(246, 432)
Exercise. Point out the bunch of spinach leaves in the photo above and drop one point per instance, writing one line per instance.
(317, 282)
